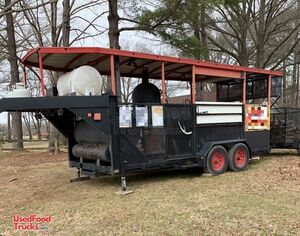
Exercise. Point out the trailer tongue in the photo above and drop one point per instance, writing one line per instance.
(106, 136)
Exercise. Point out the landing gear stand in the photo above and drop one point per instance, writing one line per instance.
(79, 177)
(124, 190)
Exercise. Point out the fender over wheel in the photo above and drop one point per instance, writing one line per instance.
(239, 156)
(217, 160)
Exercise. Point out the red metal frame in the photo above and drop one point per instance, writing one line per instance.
(163, 85)
(146, 56)
(113, 75)
(244, 77)
(217, 72)
(24, 75)
(40, 55)
(269, 100)
(98, 60)
(207, 69)
(140, 66)
(193, 87)
(168, 72)
(74, 59)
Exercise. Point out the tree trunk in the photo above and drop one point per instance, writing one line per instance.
(260, 34)
(8, 127)
(16, 131)
(284, 94)
(54, 23)
(113, 21)
(26, 119)
(66, 23)
(54, 133)
(113, 32)
(202, 35)
(16, 122)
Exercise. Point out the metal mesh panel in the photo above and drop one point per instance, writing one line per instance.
(285, 126)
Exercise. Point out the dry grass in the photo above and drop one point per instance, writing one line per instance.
(263, 200)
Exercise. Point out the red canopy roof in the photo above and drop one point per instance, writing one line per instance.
(131, 63)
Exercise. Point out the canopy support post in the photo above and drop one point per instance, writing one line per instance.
(41, 73)
(24, 75)
(193, 87)
(269, 100)
(113, 75)
(244, 77)
(163, 84)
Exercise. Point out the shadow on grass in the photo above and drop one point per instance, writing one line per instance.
(163, 176)
(146, 177)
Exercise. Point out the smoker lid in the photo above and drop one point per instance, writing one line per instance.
(65, 59)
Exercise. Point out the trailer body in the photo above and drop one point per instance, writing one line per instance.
(108, 137)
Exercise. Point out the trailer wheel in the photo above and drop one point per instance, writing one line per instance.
(217, 160)
(238, 157)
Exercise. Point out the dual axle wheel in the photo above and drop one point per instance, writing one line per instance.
(237, 159)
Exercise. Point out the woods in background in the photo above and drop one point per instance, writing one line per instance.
(260, 33)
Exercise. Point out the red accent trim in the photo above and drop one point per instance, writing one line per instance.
(113, 75)
(193, 87)
(40, 55)
(97, 116)
(224, 73)
(269, 100)
(24, 75)
(244, 77)
(98, 60)
(74, 59)
(125, 61)
(144, 64)
(217, 161)
(46, 56)
(163, 85)
(117, 52)
(176, 69)
(153, 71)
(240, 158)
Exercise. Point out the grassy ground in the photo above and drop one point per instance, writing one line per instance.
(264, 200)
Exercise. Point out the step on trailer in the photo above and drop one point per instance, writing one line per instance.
(108, 137)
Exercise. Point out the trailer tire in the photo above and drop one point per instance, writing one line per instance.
(238, 157)
(217, 160)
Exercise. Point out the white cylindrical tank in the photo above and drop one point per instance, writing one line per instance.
(19, 91)
(83, 81)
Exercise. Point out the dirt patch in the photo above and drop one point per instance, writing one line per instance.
(22, 159)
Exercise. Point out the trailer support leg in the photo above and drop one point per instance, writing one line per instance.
(79, 177)
(124, 190)
(123, 184)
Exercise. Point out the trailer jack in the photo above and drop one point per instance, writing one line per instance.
(79, 174)
(124, 190)
(79, 177)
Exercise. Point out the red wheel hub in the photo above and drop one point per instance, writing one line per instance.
(218, 161)
(240, 158)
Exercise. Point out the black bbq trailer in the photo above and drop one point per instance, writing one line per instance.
(108, 137)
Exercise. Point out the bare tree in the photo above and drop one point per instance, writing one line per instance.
(16, 123)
